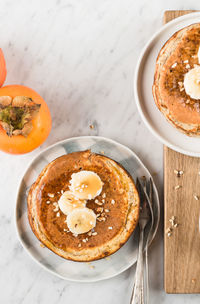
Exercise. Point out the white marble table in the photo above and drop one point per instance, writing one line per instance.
(80, 56)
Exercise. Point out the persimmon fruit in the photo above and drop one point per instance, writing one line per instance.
(40, 124)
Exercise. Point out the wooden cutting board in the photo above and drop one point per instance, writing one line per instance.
(182, 244)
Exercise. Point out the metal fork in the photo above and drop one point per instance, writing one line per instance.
(137, 295)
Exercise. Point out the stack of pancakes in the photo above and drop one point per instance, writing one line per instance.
(175, 59)
(120, 199)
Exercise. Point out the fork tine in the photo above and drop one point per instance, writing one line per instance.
(151, 190)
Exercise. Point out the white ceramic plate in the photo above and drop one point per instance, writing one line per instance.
(143, 81)
(79, 271)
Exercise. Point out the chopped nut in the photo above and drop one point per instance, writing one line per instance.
(196, 197)
(104, 195)
(48, 202)
(55, 204)
(169, 234)
(177, 187)
(50, 195)
(58, 214)
(107, 210)
(174, 65)
(90, 233)
(186, 61)
(84, 240)
(79, 245)
(178, 172)
(91, 127)
(94, 233)
(56, 209)
(107, 258)
(100, 219)
(103, 201)
(92, 267)
(100, 209)
(66, 230)
(75, 234)
(112, 201)
(175, 225)
(168, 230)
(182, 89)
(110, 227)
(180, 83)
(98, 203)
(187, 66)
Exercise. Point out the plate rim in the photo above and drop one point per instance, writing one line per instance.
(17, 203)
(144, 51)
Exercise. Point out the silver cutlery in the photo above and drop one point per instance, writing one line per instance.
(145, 191)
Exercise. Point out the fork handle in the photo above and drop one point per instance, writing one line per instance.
(137, 295)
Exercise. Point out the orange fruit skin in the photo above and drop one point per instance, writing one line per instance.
(3, 71)
(41, 123)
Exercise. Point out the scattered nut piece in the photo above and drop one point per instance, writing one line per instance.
(186, 61)
(112, 201)
(79, 245)
(48, 202)
(177, 187)
(110, 227)
(50, 195)
(100, 209)
(94, 233)
(42, 245)
(91, 127)
(107, 210)
(174, 65)
(56, 209)
(101, 219)
(187, 66)
(104, 195)
(169, 230)
(107, 258)
(58, 214)
(196, 197)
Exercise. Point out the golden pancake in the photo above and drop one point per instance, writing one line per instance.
(116, 207)
(176, 58)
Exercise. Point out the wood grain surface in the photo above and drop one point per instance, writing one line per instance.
(181, 243)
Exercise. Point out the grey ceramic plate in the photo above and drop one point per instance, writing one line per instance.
(79, 271)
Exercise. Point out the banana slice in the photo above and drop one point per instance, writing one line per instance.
(67, 202)
(192, 83)
(86, 184)
(81, 220)
(198, 55)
